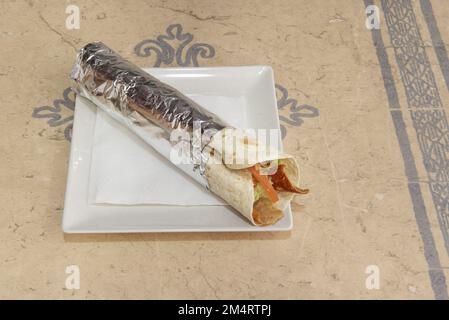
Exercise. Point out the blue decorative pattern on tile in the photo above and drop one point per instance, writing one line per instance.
(296, 111)
(424, 102)
(174, 47)
(397, 23)
(54, 115)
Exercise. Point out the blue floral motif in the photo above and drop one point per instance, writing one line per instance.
(170, 47)
(296, 111)
(53, 113)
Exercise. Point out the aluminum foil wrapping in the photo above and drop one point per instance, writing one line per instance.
(147, 106)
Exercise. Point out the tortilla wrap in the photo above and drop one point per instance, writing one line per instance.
(228, 177)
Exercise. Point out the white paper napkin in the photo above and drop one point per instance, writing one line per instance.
(127, 171)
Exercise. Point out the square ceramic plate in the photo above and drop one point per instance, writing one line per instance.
(254, 85)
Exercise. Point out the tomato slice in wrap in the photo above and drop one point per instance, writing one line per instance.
(275, 182)
(265, 183)
(281, 182)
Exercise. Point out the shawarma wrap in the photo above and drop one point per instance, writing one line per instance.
(258, 182)
(249, 175)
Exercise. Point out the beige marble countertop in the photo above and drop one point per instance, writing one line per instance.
(365, 209)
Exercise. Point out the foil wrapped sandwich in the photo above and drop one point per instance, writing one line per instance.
(249, 175)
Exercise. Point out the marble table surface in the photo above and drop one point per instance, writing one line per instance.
(362, 108)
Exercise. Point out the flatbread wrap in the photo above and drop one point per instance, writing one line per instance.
(267, 181)
(249, 175)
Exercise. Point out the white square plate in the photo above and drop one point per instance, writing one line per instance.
(252, 86)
